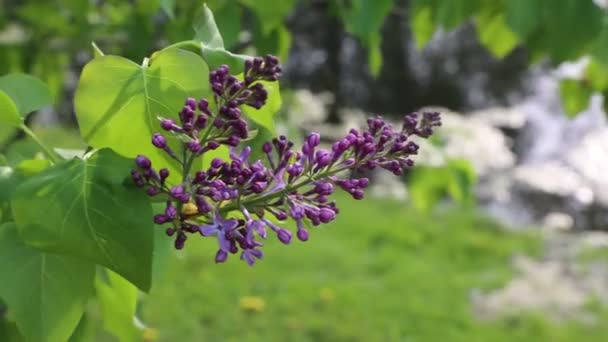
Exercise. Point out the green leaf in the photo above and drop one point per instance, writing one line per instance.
(8, 182)
(428, 186)
(9, 113)
(575, 96)
(454, 12)
(462, 181)
(89, 213)
(163, 245)
(597, 75)
(523, 16)
(228, 19)
(571, 26)
(116, 95)
(118, 299)
(211, 43)
(366, 17)
(422, 23)
(270, 13)
(600, 48)
(168, 7)
(45, 293)
(374, 56)
(28, 92)
(494, 34)
(205, 29)
(10, 178)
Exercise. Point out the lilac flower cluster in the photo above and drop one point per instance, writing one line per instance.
(240, 201)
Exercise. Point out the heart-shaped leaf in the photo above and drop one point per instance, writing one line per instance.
(45, 293)
(211, 43)
(9, 114)
(88, 212)
(28, 92)
(118, 102)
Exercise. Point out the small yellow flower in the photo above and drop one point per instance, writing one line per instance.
(327, 294)
(189, 209)
(150, 335)
(252, 304)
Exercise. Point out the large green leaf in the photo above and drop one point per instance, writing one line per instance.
(205, 29)
(118, 299)
(600, 46)
(575, 96)
(45, 293)
(118, 102)
(454, 12)
(523, 16)
(422, 23)
(28, 92)
(364, 19)
(9, 114)
(270, 13)
(571, 27)
(228, 19)
(89, 213)
(211, 43)
(494, 33)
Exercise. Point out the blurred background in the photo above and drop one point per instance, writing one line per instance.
(498, 234)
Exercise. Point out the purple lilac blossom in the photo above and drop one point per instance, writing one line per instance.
(240, 201)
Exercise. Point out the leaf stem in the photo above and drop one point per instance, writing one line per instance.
(45, 149)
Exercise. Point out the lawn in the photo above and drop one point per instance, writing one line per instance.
(382, 272)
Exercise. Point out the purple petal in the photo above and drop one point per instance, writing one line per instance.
(208, 230)
(223, 242)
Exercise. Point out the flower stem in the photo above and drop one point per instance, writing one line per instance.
(45, 149)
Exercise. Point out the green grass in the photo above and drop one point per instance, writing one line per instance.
(382, 272)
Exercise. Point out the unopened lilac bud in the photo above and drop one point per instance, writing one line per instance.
(170, 231)
(326, 215)
(164, 173)
(302, 234)
(194, 146)
(191, 102)
(143, 162)
(221, 256)
(284, 235)
(201, 121)
(180, 240)
(212, 145)
(161, 219)
(218, 123)
(363, 182)
(233, 141)
(267, 147)
(358, 194)
(152, 191)
(203, 105)
(313, 139)
(280, 215)
(159, 140)
(323, 158)
(171, 211)
(167, 124)
(216, 163)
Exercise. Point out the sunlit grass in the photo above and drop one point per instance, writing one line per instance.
(382, 272)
